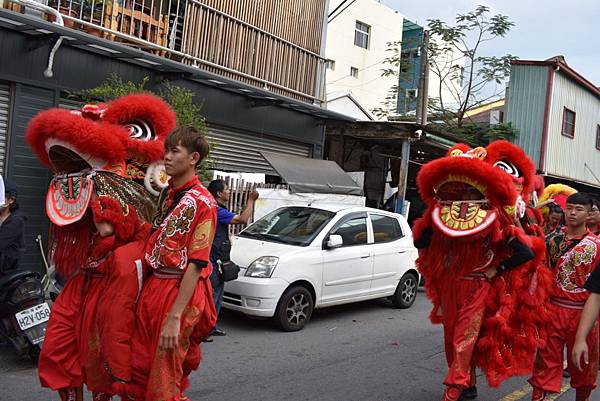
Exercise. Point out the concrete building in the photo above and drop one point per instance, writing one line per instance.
(491, 113)
(358, 33)
(258, 74)
(557, 113)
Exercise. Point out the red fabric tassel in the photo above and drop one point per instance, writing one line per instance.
(69, 246)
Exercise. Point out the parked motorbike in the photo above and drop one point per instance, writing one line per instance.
(24, 312)
(50, 281)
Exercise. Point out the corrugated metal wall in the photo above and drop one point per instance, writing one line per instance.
(29, 175)
(236, 151)
(526, 104)
(4, 108)
(576, 158)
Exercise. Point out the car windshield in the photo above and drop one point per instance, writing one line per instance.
(289, 225)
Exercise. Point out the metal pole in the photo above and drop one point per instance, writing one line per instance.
(402, 176)
(424, 83)
(422, 95)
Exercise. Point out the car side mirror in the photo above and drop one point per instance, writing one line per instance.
(334, 241)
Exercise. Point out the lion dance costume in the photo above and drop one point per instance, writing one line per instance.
(107, 168)
(475, 199)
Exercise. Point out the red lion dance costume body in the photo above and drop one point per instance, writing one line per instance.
(106, 160)
(468, 231)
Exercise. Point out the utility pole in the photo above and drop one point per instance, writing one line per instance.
(422, 101)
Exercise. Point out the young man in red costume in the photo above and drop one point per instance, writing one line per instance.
(574, 253)
(176, 308)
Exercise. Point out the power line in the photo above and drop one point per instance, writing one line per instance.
(329, 21)
(362, 69)
(337, 8)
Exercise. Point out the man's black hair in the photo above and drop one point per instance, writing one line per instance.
(554, 208)
(216, 186)
(579, 198)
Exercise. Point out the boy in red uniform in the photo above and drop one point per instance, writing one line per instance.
(573, 254)
(175, 309)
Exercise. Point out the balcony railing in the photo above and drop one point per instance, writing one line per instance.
(196, 34)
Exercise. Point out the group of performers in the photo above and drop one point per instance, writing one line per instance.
(510, 304)
(133, 248)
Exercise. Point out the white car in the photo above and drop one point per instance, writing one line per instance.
(299, 258)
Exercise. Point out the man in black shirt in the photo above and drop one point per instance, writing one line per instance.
(12, 223)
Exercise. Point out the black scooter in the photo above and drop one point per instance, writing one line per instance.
(24, 312)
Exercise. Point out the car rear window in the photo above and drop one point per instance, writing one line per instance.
(385, 228)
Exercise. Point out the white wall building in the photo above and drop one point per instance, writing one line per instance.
(357, 37)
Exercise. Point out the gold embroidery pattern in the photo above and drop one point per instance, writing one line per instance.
(166, 373)
(575, 266)
(202, 237)
(464, 349)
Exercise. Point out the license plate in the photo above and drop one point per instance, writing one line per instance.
(33, 316)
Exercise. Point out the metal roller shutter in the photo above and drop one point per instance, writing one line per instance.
(235, 151)
(70, 104)
(30, 176)
(4, 106)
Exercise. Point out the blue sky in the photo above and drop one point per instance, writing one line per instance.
(542, 28)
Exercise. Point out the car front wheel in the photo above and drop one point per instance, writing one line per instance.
(294, 309)
(406, 292)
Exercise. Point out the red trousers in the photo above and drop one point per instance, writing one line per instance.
(159, 374)
(59, 364)
(463, 307)
(115, 318)
(547, 371)
(68, 340)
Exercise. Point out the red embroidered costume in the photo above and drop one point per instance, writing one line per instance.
(97, 155)
(572, 261)
(498, 324)
(184, 231)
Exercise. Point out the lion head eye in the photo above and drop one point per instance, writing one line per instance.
(140, 130)
(508, 167)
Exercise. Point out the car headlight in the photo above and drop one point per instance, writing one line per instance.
(27, 289)
(262, 267)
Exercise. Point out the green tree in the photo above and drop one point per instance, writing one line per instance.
(455, 59)
(180, 99)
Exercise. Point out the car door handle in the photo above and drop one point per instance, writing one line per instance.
(365, 257)
(401, 251)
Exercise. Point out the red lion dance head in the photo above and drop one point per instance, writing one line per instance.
(103, 150)
(475, 199)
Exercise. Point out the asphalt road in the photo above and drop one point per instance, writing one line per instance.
(366, 351)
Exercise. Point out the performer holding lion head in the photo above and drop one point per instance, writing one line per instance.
(484, 274)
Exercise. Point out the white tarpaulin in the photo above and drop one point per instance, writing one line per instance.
(271, 199)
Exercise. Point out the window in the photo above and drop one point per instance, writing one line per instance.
(411, 94)
(353, 231)
(330, 65)
(354, 72)
(385, 229)
(361, 35)
(568, 123)
(294, 225)
(598, 137)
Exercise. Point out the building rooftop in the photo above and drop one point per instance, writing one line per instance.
(561, 65)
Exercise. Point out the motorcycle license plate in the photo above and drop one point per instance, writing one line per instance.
(33, 316)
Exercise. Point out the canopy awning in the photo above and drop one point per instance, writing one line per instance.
(304, 175)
